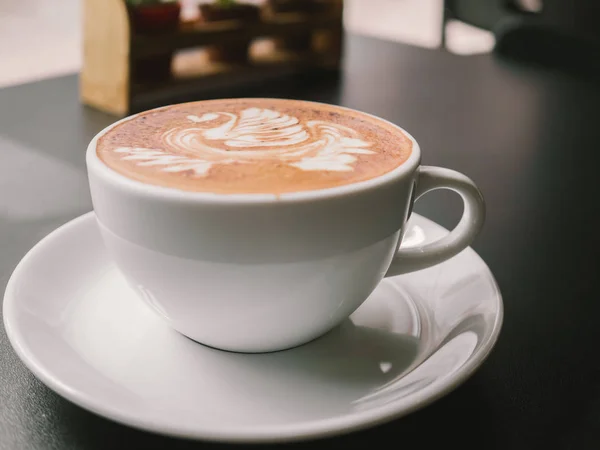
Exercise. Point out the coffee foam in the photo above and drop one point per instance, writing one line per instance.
(253, 145)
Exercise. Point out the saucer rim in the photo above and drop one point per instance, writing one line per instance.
(314, 429)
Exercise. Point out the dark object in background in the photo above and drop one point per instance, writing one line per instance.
(301, 41)
(286, 6)
(234, 52)
(555, 48)
(557, 33)
(154, 18)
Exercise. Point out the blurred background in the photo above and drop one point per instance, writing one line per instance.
(41, 38)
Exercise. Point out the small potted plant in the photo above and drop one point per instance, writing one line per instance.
(154, 17)
(220, 10)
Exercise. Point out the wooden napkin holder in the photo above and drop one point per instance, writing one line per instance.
(111, 50)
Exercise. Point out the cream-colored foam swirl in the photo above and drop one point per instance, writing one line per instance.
(254, 127)
(256, 134)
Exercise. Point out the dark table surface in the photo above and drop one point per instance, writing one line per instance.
(530, 138)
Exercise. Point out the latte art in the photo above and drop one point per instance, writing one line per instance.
(256, 134)
(255, 127)
(253, 145)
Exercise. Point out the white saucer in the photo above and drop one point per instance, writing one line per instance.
(76, 324)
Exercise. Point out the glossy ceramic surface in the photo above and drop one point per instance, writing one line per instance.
(79, 327)
(266, 272)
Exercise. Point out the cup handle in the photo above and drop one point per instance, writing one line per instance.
(431, 178)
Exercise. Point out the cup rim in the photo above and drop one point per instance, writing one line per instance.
(96, 166)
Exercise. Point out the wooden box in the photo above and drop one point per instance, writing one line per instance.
(112, 50)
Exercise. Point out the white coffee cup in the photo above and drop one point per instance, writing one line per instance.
(265, 272)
